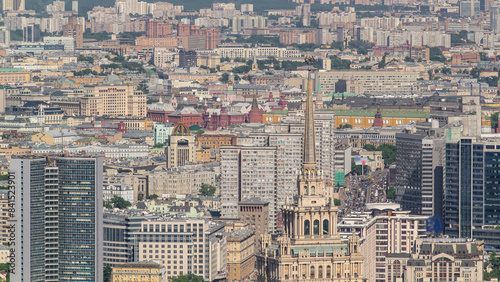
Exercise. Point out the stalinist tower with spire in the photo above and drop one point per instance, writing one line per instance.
(310, 247)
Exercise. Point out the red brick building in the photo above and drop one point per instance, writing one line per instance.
(159, 111)
(189, 116)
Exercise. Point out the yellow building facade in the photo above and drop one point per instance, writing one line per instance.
(142, 271)
(113, 100)
(361, 118)
(240, 254)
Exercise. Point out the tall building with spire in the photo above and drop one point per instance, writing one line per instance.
(310, 248)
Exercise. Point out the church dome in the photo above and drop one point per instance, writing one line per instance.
(181, 130)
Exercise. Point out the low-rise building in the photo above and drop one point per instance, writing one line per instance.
(141, 271)
(437, 259)
(124, 191)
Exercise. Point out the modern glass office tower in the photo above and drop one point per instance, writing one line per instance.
(472, 190)
(58, 219)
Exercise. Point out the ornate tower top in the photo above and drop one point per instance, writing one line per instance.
(309, 150)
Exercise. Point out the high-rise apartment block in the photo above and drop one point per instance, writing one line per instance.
(58, 227)
(31, 33)
(74, 6)
(284, 143)
(14, 5)
(240, 23)
(124, 100)
(156, 29)
(248, 172)
(75, 30)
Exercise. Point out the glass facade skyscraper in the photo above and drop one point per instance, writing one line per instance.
(58, 218)
(472, 190)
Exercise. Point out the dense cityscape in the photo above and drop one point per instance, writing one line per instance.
(249, 140)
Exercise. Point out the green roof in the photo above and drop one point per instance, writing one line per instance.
(10, 70)
(195, 127)
(385, 113)
(280, 112)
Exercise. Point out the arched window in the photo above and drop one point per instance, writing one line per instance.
(316, 227)
(325, 226)
(306, 227)
(305, 190)
(320, 271)
(313, 190)
(328, 271)
(312, 272)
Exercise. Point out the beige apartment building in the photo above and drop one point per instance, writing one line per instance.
(371, 81)
(184, 246)
(112, 100)
(240, 253)
(392, 232)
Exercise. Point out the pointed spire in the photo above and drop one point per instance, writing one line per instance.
(309, 150)
(255, 105)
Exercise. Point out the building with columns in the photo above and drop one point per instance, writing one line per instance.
(310, 248)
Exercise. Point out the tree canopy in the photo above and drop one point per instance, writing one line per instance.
(494, 262)
(188, 278)
(207, 190)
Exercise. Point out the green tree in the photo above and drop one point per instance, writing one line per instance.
(370, 147)
(388, 153)
(436, 54)
(337, 202)
(475, 72)
(107, 273)
(445, 70)
(340, 64)
(4, 177)
(224, 78)
(143, 86)
(430, 73)
(119, 202)
(391, 193)
(140, 197)
(494, 120)
(494, 262)
(152, 197)
(188, 278)
(409, 59)
(382, 62)
(344, 126)
(207, 190)
(107, 204)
